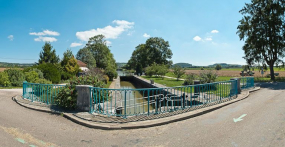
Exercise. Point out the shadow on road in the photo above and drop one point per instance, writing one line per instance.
(272, 86)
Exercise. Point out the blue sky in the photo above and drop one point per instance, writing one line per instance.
(199, 32)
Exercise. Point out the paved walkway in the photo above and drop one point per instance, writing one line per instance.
(263, 125)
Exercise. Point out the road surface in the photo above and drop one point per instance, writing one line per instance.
(258, 120)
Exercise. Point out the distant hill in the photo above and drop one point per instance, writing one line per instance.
(225, 65)
(120, 65)
(6, 64)
(183, 65)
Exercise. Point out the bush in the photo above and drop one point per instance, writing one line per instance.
(16, 77)
(178, 71)
(208, 77)
(31, 76)
(67, 96)
(149, 71)
(66, 75)
(4, 79)
(111, 73)
(43, 81)
(50, 72)
(189, 80)
(218, 67)
(105, 79)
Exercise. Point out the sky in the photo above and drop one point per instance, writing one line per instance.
(199, 32)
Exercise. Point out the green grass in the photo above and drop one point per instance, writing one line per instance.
(263, 79)
(166, 81)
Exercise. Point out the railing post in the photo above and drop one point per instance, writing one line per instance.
(24, 88)
(148, 102)
(90, 97)
(125, 110)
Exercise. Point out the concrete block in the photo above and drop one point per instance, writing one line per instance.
(83, 97)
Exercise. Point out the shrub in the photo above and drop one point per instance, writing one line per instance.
(208, 77)
(66, 75)
(43, 81)
(50, 72)
(67, 96)
(105, 79)
(178, 71)
(4, 79)
(218, 67)
(149, 71)
(189, 80)
(16, 77)
(111, 73)
(31, 76)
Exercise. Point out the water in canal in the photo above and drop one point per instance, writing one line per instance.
(136, 101)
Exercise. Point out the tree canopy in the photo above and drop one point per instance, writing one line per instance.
(48, 54)
(155, 50)
(263, 29)
(85, 55)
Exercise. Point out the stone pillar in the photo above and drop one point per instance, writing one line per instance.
(83, 97)
(238, 84)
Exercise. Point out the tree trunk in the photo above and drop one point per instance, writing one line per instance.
(272, 72)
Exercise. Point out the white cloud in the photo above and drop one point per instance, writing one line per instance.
(74, 44)
(197, 38)
(45, 39)
(45, 32)
(11, 37)
(109, 32)
(146, 35)
(108, 43)
(214, 31)
(209, 39)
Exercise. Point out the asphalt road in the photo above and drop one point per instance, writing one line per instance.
(262, 124)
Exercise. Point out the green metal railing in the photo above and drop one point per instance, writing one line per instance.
(132, 102)
(44, 93)
(246, 82)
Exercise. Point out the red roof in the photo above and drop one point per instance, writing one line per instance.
(81, 64)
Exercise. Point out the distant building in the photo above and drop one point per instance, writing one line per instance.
(82, 66)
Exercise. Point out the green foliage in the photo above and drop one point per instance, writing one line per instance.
(101, 52)
(111, 73)
(72, 67)
(48, 54)
(67, 97)
(156, 69)
(31, 76)
(86, 56)
(178, 71)
(139, 69)
(43, 81)
(208, 77)
(67, 55)
(189, 80)
(16, 77)
(105, 79)
(50, 72)
(4, 79)
(218, 67)
(262, 28)
(155, 50)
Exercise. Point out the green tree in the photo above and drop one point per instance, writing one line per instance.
(72, 67)
(155, 50)
(218, 67)
(4, 79)
(100, 51)
(178, 71)
(48, 54)
(50, 72)
(67, 55)
(263, 29)
(86, 56)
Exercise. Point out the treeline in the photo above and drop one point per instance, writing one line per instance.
(51, 69)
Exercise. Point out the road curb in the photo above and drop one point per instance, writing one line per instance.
(142, 124)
